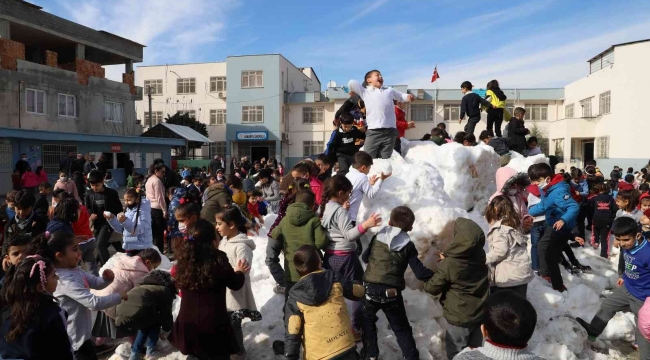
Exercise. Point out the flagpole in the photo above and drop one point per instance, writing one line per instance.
(435, 106)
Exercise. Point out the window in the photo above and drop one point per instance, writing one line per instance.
(536, 112)
(150, 157)
(136, 157)
(602, 62)
(35, 101)
(603, 147)
(192, 113)
(218, 117)
(568, 111)
(219, 148)
(252, 79)
(113, 111)
(452, 112)
(186, 86)
(156, 87)
(52, 154)
(312, 115)
(218, 83)
(67, 105)
(605, 102)
(156, 118)
(422, 112)
(6, 161)
(586, 107)
(312, 148)
(252, 114)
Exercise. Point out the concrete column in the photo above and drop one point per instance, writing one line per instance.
(128, 66)
(4, 29)
(81, 51)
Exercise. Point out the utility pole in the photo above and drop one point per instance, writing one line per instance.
(150, 102)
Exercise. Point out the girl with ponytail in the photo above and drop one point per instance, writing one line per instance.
(134, 223)
(33, 323)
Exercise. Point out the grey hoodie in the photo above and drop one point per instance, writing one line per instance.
(342, 233)
(73, 292)
(239, 247)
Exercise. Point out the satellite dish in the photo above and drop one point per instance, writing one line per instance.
(331, 84)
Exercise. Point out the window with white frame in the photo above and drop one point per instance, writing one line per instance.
(191, 113)
(252, 114)
(603, 147)
(136, 157)
(536, 112)
(218, 117)
(252, 79)
(568, 111)
(422, 112)
(217, 83)
(35, 101)
(218, 148)
(451, 112)
(312, 148)
(312, 115)
(156, 118)
(586, 107)
(150, 157)
(155, 87)
(605, 102)
(67, 105)
(186, 86)
(113, 111)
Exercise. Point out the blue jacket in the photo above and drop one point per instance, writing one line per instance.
(58, 225)
(582, 188)
(557, 204)
(141, 238)
(636, 271)
(179, 193)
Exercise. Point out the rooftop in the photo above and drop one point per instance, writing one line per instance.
(616, 45)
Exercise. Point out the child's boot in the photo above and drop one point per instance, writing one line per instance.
(152, 354)
(590, 331)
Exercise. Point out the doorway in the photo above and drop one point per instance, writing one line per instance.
(259, 152)
(587, 151)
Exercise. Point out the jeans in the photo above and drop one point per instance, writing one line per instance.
(550, 252)
(273, 250)
(103, 236)
(148, 337)
(536, 234)
(471, 124)
(457, 338)
(348, 267)
(399, 322)
(495, 117)
(158, 226)
(345, 161)
(380, 142)
(88, 256)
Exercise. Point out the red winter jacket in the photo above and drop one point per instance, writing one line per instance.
(402, 124)
(81, 227)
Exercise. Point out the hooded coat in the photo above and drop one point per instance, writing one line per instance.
(505, 178)
(508, 258)
(557, 204)
(217, 198)
(149, 303)
(316, 314)
(179, 194)
(300, 226)
(136, 229)
(128, 270)
(239, 247)
(462, 276)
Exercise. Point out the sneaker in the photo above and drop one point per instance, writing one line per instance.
(152, 354)
(575, 245)
(104, 348)
(279, 289)
(635, 346)
(547, 279)
(572, 269)
(278, 347)
(595, 245)
(134, 356)
(591, 333)
(583, 268)
(562, 289)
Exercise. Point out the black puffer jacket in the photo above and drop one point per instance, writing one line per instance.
(517, 135)
(148, 304)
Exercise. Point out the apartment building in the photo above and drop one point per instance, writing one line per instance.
(55, 97)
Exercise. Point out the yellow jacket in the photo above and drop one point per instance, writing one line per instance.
(319, 319)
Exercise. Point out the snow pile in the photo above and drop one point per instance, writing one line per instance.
(423, 187)
(468, 172)
(521, 163)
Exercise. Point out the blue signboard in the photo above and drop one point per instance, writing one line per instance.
(479, 92)
(252, 135)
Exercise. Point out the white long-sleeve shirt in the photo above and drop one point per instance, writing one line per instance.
(360, 187)
(380, 110)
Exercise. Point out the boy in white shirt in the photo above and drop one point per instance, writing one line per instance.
(361, 185)
(380, 113)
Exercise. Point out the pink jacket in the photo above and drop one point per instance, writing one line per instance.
(68, 186)
(128, 270)
(505, 178)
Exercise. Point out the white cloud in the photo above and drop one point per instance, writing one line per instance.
(171, 30)
(364, 10)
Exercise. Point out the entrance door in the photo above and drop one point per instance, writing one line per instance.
(259, 152)
(587, 152)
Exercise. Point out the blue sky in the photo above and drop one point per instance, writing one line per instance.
(541, 43)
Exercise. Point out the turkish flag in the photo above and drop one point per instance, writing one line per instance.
(435, 74)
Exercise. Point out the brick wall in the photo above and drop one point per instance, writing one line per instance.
(130, 79)
(10, 51)
(85, 69)
(51, 59)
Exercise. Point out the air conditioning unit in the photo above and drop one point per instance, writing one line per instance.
(222, 95)
(316, 96)
(285, 137)
(420, 94)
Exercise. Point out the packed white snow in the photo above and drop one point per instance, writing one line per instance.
(423, 187)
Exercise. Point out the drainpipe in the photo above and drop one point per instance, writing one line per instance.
(20, 91)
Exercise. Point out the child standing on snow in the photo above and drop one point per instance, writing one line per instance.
(380, 114)
(508, 257)
(604, 213)
(471, 105)
(512, 184)
(239, 303)
(389, 254)
(341, 252)
(462, 281)
(495, 113)
(343, 145)
(633, 287)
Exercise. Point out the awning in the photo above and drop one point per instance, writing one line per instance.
(164, 130)
(80, 137)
